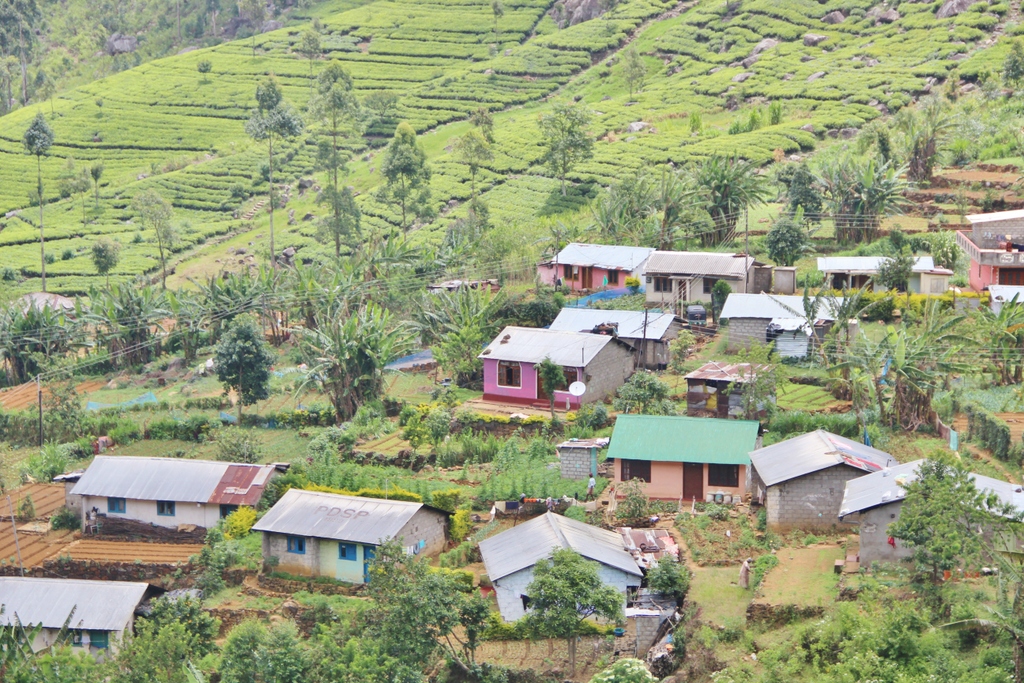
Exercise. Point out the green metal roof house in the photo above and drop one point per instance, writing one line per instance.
(684, 458)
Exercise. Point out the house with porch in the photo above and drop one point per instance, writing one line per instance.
(677, 276)
(857, 271)
(602, 362)
(311, 533)
(648, 333)
(995, 246)
(594, 266)
(684, 458)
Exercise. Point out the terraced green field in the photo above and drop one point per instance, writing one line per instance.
(164, 125)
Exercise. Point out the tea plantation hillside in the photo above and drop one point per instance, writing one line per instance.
(713, 70)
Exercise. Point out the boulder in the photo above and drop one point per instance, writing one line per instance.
(637, 126)
(888, 16)
(715, 70)
(951, 8)
(766, 44)
(809, 127)
(577, 11)
(271, 25)
(806, 58)
(871, 62)
(305, 183)
(749, 61)
(739, 78)
(815, 76)
(787, 77)
(848, 133)
(119, 44)
(814, 39)
(835, 17)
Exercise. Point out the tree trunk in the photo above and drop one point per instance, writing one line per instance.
(42, 239)
(572, 657)
(273, 254)
(163, 264)
(24, 68)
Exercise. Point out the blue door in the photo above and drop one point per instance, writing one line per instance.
(368, 556)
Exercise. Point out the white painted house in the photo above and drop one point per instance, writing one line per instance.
(168, 492)
(511, 556)
(97, 613)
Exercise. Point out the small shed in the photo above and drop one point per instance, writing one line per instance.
(578, 457)
(715, 389)
(801, 481)
(749, 316)
(100, 612)
(792, 337)
(511, 556)
(858, 271)
(311, 533)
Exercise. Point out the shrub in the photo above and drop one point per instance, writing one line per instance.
(592, 416)
(634, 506)
(461, 525)
(625, 671)
(993, 432)
(26, 508)
(717, 512)
(204, 66)
(125, 433)
(239, 522)
(235, 444)
(47, 464)
(670, 578)
(65, 519)
(762, 565)
(447, 500)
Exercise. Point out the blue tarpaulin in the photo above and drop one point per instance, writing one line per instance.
(148, 397)
(410, 361)
(605, 295)
(229, 418)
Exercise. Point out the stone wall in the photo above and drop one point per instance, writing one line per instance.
(229, 618)
(278, 585)
(575, 463)
(743, 331)
(105, 571)
(811, 501)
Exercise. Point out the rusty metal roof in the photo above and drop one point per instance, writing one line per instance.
(241, 485)
(724, 372)
(813, 452)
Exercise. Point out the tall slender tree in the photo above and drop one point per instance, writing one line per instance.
(254, 12)
(37, 140)
(96, 171)
(272, 118)
(566, 138)
(406, 175)
(473, 150)
(155, 212)
(310, 48)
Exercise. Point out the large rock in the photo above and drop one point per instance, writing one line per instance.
(888, 16)
(739, 78)
(813, 39)
(637, 126)
(573, 12)
(848, 133)
(119, 44)
(951, 8)
(815, 76)
(766, 44)
(749, 61)
(835, 17)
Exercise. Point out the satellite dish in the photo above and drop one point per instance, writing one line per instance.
(577, 388)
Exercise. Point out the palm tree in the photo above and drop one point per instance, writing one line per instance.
(859, 194)
(726, 186)
(924, 129)
(126, 318)
(1005, 330)
(190, 321)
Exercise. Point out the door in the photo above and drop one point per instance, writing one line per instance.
(587, 277)
(368, 555)
(693, 481)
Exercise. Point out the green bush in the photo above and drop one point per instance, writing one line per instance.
(447, 500)
(125, 433)
(193, 428)
(762, 565)
(991, 431)
(65, 519)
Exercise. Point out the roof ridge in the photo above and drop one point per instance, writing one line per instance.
(562, 540)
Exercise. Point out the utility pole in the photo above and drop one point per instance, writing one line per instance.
(39, 399)
(746, 233)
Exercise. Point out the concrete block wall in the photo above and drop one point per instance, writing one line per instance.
(811, 501)
(575, 463)
(307, 564)
(987, 235)
(742, 331)
(608, 371)
(874, 535)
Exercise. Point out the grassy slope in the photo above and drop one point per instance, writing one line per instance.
(185, 131)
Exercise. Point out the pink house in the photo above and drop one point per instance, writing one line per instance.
(595, 266)
(601, 362)
(995, 245)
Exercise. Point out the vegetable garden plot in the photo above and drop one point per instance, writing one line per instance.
(117, 551)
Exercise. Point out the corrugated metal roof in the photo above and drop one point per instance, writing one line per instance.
(683, 439)
(97, 605)
(887, 486)
(186, 481)
(812, 452)
(995, 217)
(699, 263)
(1005, 293)
(315, 514)
(532, 345)
(603, 256)
(724, 372)
(41, 300)
(630, 323)
(868, 264)
(525, 545)
(770, 306)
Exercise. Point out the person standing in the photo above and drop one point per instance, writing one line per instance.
(591, 485)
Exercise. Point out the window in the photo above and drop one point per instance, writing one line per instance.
(165, 508)
(571, 375)
(724, 475)
(662, 284)
(636, 469)
(100, 639)
(709, 284)
(116, 505)
(76, 638)
(567, 272)
(347, 551)
(226, 510)
(1011, 276)
(613, 277)
(526, 601)
(509, 374)
(297, 545)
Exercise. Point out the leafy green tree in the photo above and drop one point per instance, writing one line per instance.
(106, 253)
(337, 109)
(645, 394)
(272, 118)
(859, 194)
(634, 70)
(727, 186)
(498, 10)
(242, 655)
(552, 378)
(720, 292)
(670, 577)
(924, 130)
(940, 517)
(37, 140)
(894, 272)
(188, 611)
(625, 671)
(787, 240)
(96, 171)
(155, 212)
(946, 252)
(566, 138)
(255, 13)
(347, 353)
(456, 325)
(381, 106)
(481, 118)
(310, 48)
(473, 150)
(802, 193)
(406, 175)
(1013, 66)
(566, 591)
(155, 653)
(761, 380)
(283, 658)
(190, 321)
(243, 359)
(74, 182)
(680, 349)
(419, 612)
(235, 444)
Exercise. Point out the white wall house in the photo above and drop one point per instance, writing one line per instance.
(511, 556)
(100, 612)
(168, 492)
